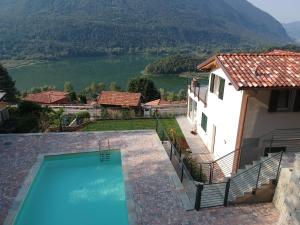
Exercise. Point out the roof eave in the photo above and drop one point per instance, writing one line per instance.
(206, 65)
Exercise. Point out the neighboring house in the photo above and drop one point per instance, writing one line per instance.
(120, 100)
(164, 107)
(49, 98)
(4, 114)
(249, 97)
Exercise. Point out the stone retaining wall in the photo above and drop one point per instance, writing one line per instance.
(287, 195)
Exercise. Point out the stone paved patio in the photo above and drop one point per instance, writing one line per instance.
(154, 193)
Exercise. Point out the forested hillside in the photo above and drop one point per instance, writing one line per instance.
(56, 28)
(293, 29)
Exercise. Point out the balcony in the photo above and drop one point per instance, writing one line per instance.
(199, 92)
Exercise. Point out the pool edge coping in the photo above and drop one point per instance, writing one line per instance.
(23, 191)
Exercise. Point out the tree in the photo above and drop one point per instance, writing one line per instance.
(68, 87)
(171, 96)
(82, 99)
(144, 86)
(93, 90)
(182, 94)
(73, 96)
(163, 93)
(114, 87)
(101, 87)
(7, 85)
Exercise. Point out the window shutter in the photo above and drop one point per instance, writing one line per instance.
(212, 81)
(221, 88)
(296, 107)
(204, 122)
(273, 101)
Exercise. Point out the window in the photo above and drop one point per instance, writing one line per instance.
(204, 122)
(284, 101)
(217, 85)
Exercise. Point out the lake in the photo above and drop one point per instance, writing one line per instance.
(83, 71)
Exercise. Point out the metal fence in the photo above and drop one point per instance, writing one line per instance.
(216, 171)
(218, 185)
(247, 181)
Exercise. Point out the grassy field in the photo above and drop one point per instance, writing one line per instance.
(134, 124)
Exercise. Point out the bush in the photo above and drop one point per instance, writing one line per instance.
(194, 169)
(65, 120)
(26, 107)
(83, 114)
(27, 124)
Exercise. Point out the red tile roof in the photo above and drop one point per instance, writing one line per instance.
(276, 69)
(116, 98)
(48, 97)
(162, 102)
(158, 102)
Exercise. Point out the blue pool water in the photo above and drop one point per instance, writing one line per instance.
(76, 189)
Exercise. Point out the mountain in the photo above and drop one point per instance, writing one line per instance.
(56, 28)
(293, 30)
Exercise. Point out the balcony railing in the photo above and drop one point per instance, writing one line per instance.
(199, 91)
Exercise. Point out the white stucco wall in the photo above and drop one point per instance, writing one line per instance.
(224, 114)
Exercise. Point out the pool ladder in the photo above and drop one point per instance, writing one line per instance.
(104, 153)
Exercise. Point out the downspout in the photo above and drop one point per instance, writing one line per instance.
(240, 134)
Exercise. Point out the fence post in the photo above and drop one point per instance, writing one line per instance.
(198, 196)
(162, 136)
(271, 143)
(226, 192)
(278, 169)
(179, 152)
(211, 172)
(60, 124)
(258, 175)
(181, 177)
(156, 124)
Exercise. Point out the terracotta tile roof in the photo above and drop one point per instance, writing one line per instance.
(158, 102)
(116, 98)
(162, 102)
(48, 97)
(276, 69)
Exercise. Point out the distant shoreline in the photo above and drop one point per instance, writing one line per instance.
(15, 64)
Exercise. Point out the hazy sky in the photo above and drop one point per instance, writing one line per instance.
(283, 10)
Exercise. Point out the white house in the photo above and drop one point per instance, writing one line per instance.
(251, 100)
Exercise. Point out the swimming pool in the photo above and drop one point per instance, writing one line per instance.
(76, 189)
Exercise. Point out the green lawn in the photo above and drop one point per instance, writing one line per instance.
(134, 124)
